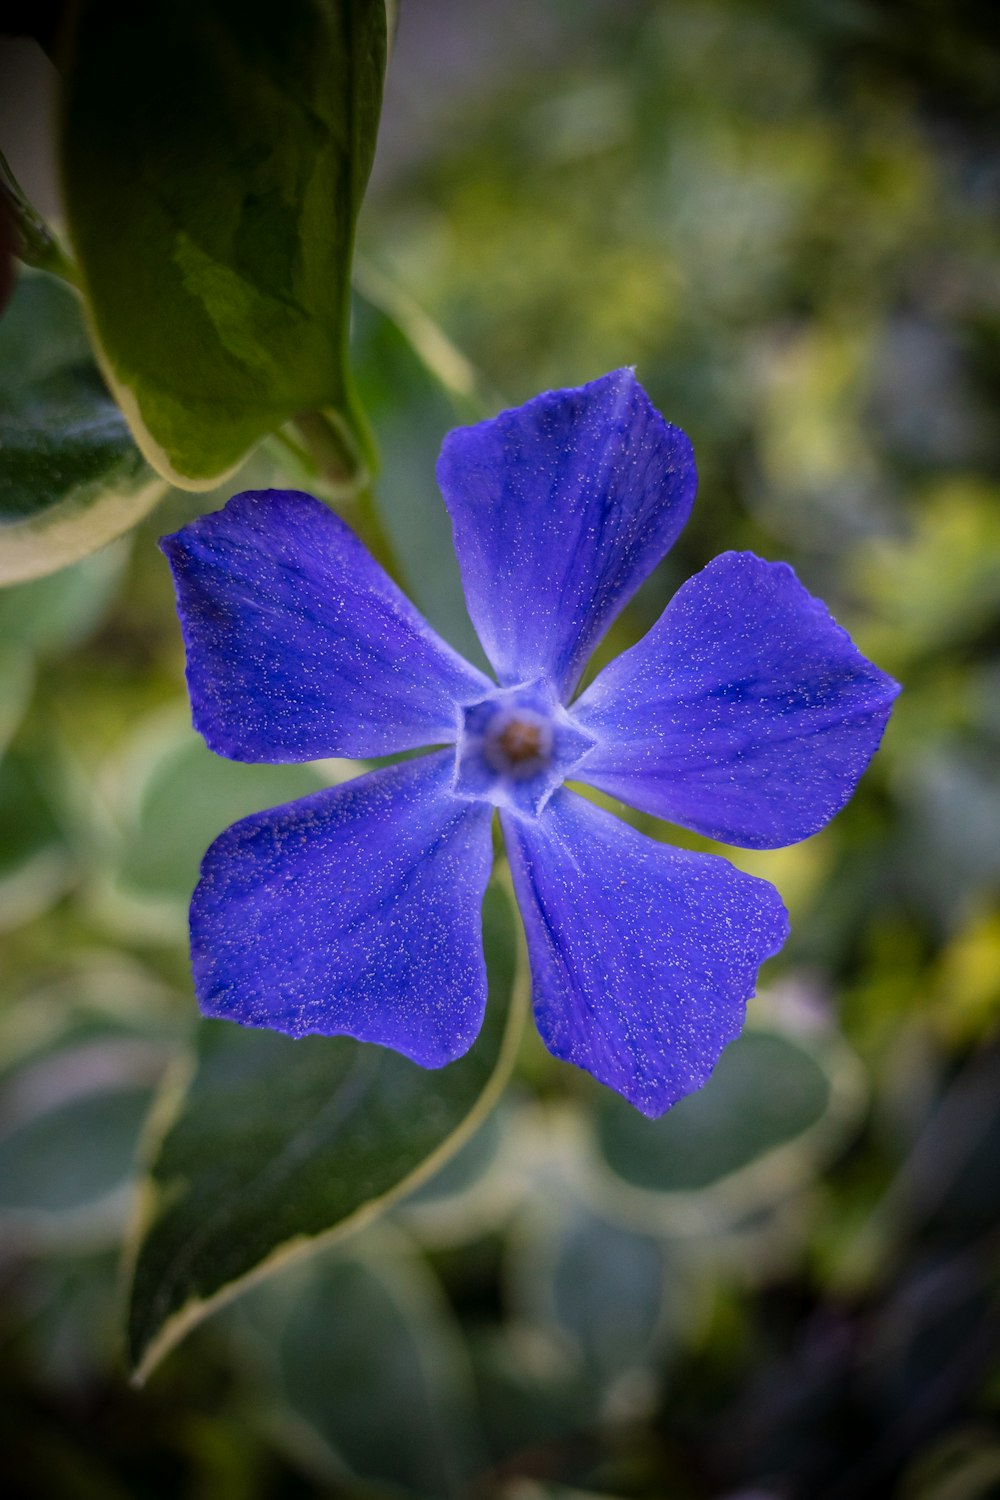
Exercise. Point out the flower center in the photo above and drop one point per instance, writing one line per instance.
(516, 747)
(520, 741)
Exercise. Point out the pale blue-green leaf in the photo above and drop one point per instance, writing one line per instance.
(56, 613)
(67, 1147)
(950, 797)
(371, 1358)
(170, 796)
(609, 1291)
(779, 1101)
(184, 796)
(36, 858)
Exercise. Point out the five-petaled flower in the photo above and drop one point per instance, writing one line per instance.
(746, 713)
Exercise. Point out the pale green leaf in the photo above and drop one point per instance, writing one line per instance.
(51, 615)
(71, 478)
(36, 859)
(607, 1291)
(16, 681)
(170, 796)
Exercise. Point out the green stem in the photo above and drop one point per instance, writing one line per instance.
(346, 467)
(368, 524)
(34, 241)
(334, 451)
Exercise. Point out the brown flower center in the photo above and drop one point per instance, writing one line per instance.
(520, 741)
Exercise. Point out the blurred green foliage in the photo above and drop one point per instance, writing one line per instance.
(786, 217)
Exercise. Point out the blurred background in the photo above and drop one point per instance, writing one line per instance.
(786, 216)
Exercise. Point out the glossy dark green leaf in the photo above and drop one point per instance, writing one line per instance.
(72, 478)
(30, 238)
(279, 1143)
(215, 153)
(464, 1171)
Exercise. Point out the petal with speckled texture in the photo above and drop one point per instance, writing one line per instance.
(746, 713)
(642, 956)
(298, 644)
(355, 911)
(561, 508)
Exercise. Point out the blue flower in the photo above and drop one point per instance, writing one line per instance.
(746, 714)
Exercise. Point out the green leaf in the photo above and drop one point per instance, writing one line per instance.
(66, 1156)
(17, 678)
(172, 797)
(279, 1145)
(471, 1196)
(612, 1294)
(736, 1118)
(377, 1320)
(36, 860)
(33, 240)
(52, 615)
(215, 153)
(415, 387)
(72, 478)
(775, 1104)
(951, 806)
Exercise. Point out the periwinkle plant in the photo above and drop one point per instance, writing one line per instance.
(746, 713)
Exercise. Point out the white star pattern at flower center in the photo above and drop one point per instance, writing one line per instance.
(516, 747)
